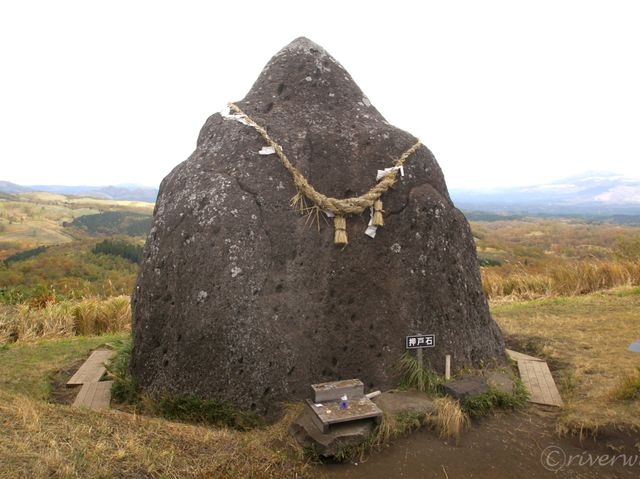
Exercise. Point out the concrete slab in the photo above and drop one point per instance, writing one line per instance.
(397, 402)
(334, 390)
(466, 386)
(306, 432)
(329, 413)
(500, 381)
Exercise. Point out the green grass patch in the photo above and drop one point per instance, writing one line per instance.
(415, 376)
(124, 389)
(206, 411)
(407, 421)
(484, 404)
(627, 292)
(629, 387)
(28, 368)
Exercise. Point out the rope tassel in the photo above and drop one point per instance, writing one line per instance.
(340, 225)
(378, 219)
(341, 208)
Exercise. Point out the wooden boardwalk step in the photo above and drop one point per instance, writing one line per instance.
(95, 396)
(539, 382)
(92, 369)
(516, 356)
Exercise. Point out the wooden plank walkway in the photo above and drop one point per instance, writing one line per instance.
(92, 369)
(516, 356)
(537, 379)
(96, 395)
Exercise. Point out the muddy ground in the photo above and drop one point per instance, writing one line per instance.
(505, 446)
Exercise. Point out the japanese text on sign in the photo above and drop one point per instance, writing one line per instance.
(421, 341)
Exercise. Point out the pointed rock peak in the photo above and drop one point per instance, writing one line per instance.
(242, 251)
(302, 44)
(304, 77)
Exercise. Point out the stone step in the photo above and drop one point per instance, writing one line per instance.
(330, 443)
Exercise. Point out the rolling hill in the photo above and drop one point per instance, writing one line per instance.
(592, 192)
(128, 192)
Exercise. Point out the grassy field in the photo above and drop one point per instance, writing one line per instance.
(66, 318)
(70, 270)
(532, 241)
(528, 258)
(41, 439)
(47, 243)
(564, 290)
(28, 220)
(584, 339)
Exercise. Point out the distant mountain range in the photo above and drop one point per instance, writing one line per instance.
(593, 192)
(130, 192)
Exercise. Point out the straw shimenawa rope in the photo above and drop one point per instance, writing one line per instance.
(339, 207)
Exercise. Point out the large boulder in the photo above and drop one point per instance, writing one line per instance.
(239, 299)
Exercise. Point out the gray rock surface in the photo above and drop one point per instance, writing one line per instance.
(237, 299)
(395, 402)
(466, 386)
(500, 381)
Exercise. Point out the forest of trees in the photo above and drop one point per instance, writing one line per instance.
(113, 223)
(22, 255)
(121, 248)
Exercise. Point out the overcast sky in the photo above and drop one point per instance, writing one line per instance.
(504, 93)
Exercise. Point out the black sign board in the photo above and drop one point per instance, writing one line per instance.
(421, 341)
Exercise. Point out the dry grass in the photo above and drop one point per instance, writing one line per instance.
(559, 278)
(585, 341)
(66, 318)
(41, 440)
(450, 420)
(628, 389)
(541, 258)
(537, 240)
